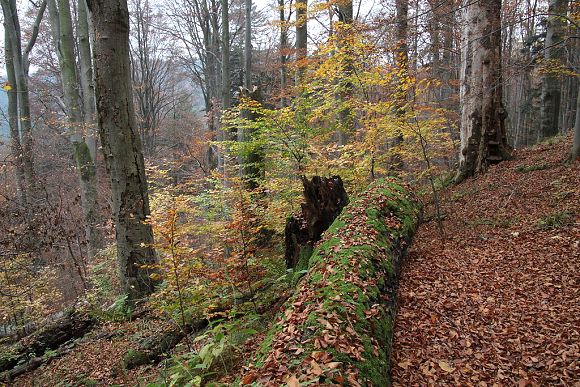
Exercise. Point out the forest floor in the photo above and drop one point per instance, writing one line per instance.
(497, 301)
(494, 302)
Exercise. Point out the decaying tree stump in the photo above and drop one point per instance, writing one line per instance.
(324, 199)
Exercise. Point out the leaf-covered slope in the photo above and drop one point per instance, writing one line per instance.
(337, 326)
(497, 302)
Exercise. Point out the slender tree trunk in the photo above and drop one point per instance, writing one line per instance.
(122, 146)
(226, 79)
(62, 29)
(552, 83)
(86, 79)
(283, 52)
(248, 45)
(575, 153)
(345, 35)
(301, 37)
(483, 137)
(15, 145)
(20, 65)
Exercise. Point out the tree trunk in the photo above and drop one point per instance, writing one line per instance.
(575, 153)
(86, 79)
(345, 35)
(402, 63)
(301, 37)
(15, 145)
(324, 199)
(122, 146)
(552, 83)
(20, 66)
(248, 45)
(483, 137)
(283, 52)
(61, 21)
(226, 78)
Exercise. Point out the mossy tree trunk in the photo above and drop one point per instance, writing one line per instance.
(337, 327)
(122, 146)
(63, 38)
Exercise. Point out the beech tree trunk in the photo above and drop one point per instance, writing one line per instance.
(62, 30)
(122, 146)
(301, 37)
(551, 82)
(20, 64)
(575, 153)
(15, 144)
(345, 34)
(86, 79)
(483, 135)
(283, 51)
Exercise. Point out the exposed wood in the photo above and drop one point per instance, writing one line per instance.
(324, 199)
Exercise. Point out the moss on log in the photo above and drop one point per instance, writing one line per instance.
(337, 328)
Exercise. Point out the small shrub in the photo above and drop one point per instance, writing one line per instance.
(555, 220)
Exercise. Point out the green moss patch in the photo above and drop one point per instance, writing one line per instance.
(337, 327)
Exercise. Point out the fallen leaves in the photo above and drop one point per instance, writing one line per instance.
(497, 302)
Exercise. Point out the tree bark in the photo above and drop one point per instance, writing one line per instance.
(324, 199)
(345, 39)
(483, 136)
(122, 146)
(554, 55)
(86, 79)
(283, 52)
(575, 153)
(301, 37)
(15, 144)
(20, 65)
(62, 29)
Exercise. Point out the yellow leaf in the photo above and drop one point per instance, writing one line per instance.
(292, 381)
(445, 366)
(6, 86)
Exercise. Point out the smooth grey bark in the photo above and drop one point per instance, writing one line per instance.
(226, 79)
(62, 30)
(483, 136)
(248, 45)
(20, 64)
(551, 83)
(15, 145)
(283, 51)
(575, 152)
(122, 146)
(86, 78)
(301, 38)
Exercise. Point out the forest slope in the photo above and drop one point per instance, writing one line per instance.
(497, 300)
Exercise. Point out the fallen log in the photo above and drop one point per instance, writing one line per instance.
(324, 199)
(337, 327)
(27, 354)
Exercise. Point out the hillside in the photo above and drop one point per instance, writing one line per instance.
(493, 301)
(496, 301)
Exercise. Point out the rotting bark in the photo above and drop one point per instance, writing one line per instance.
(324, 199)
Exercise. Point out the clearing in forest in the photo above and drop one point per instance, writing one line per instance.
(496, 302)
